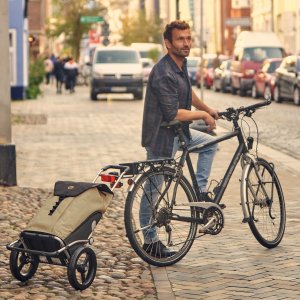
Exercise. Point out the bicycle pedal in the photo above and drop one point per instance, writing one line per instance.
(222, 205)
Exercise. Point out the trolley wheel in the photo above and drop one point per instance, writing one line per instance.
(82, 268)
(22, 265)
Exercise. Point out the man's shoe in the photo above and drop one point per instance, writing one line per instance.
(206, 198)
(158, 249)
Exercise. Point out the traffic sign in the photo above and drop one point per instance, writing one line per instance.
(91, 19)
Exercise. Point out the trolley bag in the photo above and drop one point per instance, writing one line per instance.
(73, 211)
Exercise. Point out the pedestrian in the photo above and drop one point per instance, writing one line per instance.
(216, 61)
(71, 72)
(48, 66)
(169, 97)
(58, 72)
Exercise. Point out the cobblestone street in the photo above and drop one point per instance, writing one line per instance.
(69, 137)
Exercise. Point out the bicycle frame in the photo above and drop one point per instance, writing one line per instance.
(242, 148)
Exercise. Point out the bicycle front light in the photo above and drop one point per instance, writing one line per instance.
(250, 142)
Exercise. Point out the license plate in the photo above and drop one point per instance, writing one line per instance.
(119, 89)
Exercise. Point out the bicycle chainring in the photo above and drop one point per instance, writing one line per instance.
(217, 215)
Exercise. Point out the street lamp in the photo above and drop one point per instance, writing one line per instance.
(177, 10)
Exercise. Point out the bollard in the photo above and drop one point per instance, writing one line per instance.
(8, 165)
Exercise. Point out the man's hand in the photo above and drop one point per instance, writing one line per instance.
(214, 113)
(210, 121)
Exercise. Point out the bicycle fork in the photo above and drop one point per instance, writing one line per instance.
(250, 160)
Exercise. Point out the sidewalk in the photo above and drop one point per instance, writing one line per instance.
(69, 137)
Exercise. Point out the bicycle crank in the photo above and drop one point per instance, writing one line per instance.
(213, 221)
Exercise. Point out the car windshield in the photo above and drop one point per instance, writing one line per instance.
(117, 57)
(271, 66)
(262, 53)
(192, 63)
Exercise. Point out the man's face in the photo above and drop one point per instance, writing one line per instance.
(181, 43)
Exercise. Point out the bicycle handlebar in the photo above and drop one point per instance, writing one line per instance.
(232, 113)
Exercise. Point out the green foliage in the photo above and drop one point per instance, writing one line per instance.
(36, 77)
(67, 14)
(140, 30)
(153, 54)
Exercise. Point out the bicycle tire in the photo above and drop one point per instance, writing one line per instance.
(183, 233)
(267, 213)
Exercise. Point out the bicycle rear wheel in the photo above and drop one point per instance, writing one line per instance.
(265, 203)
(155, 190)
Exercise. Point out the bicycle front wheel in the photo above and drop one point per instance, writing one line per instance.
(151, 228)
(265, 204)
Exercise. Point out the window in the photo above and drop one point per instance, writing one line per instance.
(117, 57)
(262, 53)
(13, 57)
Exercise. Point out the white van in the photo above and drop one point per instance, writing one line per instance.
(116, 70)
(250, 50)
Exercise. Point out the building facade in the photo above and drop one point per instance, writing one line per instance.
(18, 47)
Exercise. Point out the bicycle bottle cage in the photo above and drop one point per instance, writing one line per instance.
(140, 167)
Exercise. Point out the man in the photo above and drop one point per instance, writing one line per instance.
(170, 97)
(71, 72)
(58, 72)
(216, 61)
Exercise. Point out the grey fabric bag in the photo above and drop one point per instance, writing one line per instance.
(71, 204)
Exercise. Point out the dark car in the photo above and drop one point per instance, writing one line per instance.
(192, 65)
(264, 79)
(221, 81)
(287, 85)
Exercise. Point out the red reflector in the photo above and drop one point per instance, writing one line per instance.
(130, 181)
(108, 178)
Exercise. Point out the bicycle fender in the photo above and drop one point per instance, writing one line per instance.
(243, 192)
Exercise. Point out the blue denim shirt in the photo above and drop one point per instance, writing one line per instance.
(168, 89)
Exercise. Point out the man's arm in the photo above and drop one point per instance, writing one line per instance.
(197, 103)
(204, 112)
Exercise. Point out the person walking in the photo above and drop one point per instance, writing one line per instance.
(58, 72)
(71, 72)
(48, 66)
(216, 61)
(170, 97)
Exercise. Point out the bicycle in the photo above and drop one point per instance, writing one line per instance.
(176, 212)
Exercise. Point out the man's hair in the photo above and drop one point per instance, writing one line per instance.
(181, 25)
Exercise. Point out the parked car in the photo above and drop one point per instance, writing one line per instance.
(208, 69)
(147, 64)
(264, 79)
(250, 50)
(192, 65)
(116, 70)
(287, 84)
(221, 80)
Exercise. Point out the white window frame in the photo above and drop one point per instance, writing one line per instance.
(13, 56)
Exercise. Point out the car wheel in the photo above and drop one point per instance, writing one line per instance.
(296, 96)
(93, 96)
(277, 97)
(215, 89)
(242, 91)
(267, 93)
(254, 91)
(223, 87)
(233, 90)
(138, 96)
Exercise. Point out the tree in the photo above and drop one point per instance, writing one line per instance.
(140, 30)
(68, 14)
